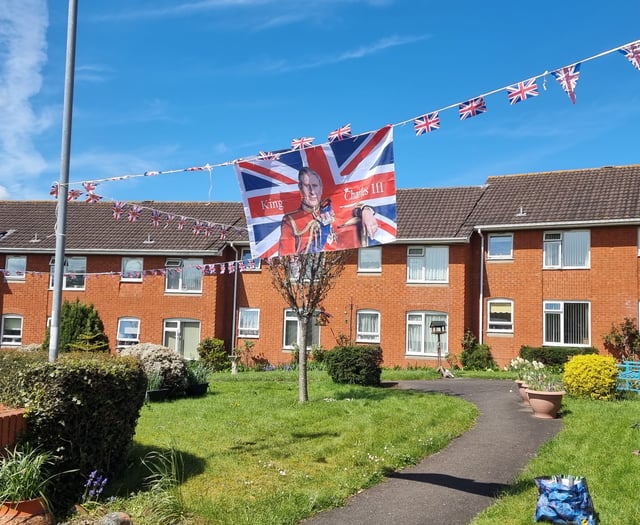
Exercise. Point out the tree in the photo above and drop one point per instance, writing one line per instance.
(81, 329)
(304, 281)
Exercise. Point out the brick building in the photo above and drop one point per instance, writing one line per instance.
(531, 259)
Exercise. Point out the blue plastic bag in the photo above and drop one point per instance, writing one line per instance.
(564, 500)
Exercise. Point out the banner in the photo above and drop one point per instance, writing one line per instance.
(335, 196)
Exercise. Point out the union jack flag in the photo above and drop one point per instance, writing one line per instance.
(155, 218)
(150, 173)
(241, 266)
(208, 230)
(340, 133)
(92, 198)
(632, 52)
(134, 212)
(223, 233)
(522, 90)
(471, 108)
(231, 266)
(54, 189)
(118, 209)
(223, 268)
(89, 187)
(73, 195)
(195, 168)
(269, 155)
(302, 142)
(168, 219)
(197, 228)
(427, 123)
(355, 173)
(252, 264)
(181, 223)
(568, 79)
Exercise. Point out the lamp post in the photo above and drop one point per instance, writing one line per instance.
(438, 328)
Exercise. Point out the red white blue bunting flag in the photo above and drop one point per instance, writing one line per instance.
(155, 218)
(89, 186)
(54, 190)
(520, 91)
(134, 212)
(427, 123)
(118, 209)
(181, 222)
(568, 79)
(472, 107)
(302, 142)
(632, 52)
(92, 198)
(340, 133)
(73, 195)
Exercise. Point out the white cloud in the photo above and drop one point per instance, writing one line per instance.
(23, 26)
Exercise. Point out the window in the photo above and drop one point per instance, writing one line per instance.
(131, 269)
(75, 269)
(500, 246)
(370, 259)
(291, 330)
(11, 330)
(249, 322)
(367, 326)
(568, 249)
(128, 331)
(428, 264)
(250, 263)
(567, 323)
(420, 340)
(15, 267)
(182, 336)
(183, 275)
(500, 316)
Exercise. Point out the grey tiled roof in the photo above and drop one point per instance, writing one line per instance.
(607, 194)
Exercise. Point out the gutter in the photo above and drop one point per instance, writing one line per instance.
(563, 224)
(235, 301)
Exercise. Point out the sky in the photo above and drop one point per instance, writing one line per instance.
(164, 85)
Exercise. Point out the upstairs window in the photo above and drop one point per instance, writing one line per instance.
(15, 267)
(131, 269)
(75, 270)
(370, 259)
(428, 264)
(250, 264)
(566, 249)
(183, 275)
(500, 246)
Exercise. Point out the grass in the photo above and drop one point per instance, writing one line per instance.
(252, 454)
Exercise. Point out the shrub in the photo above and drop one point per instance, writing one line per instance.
(356, 364)
(554, 355)
(168, 363)
(81, 329)
(213, 354)
(591, 376)
(623, 341)
(478, 357)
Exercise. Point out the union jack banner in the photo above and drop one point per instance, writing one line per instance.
(73, 195)
(302, 142)
(241, 266)
(268, 155)
(223, 233)
(231, 267)
(208, 230)
(168, 219)
(632, 52)
(155, 218)
(197, 228)
(568, 79)
(340, 133)
(89, 187)
(181, 222)
(134, 213)
(471, 108)
(118, 209)
(252, 264)
(54, 190)
(356, 174)
(522, 90)
(427, 123)
(92, 198)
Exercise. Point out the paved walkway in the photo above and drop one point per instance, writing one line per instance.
(455, 484)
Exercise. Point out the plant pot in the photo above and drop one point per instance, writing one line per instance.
(157, 395)
(522, 390)
(545, 405)
(28, 512)
(197, 390)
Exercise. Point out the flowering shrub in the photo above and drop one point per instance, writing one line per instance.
(591, 376)
(162, 360)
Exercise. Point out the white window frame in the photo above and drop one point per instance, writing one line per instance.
(558, 308)
(249, 323)
(491, 243)
(428, 342)
(370, 259)
(365, 336)
(134, 324)
(554, 249)
(129, 275)
(499, 325)
(13, 339)
(15, 274)
(420, 255)
(245, 255)
(70, 277)
(175, 267)
(290, 317)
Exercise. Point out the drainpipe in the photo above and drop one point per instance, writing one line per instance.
(235, 301)
(481, 310)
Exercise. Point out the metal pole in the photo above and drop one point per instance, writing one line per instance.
(61, 218)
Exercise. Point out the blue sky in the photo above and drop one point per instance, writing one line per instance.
(169, 84)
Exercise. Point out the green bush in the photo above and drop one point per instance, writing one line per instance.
(158, 359)
(623, 341)
(591, 376)
(82, 408)
(554, 355)
(355, 364)
(213, 354)
(478, 357)
(81, 329)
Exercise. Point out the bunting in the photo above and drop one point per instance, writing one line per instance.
(427, 123)
(632, 52)
(568, 79)
(471, 108)
(520, 91)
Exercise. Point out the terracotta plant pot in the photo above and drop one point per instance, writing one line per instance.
(545, 405)
(29, 512)
(522, 390)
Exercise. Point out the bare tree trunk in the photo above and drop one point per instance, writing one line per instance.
(303, 395)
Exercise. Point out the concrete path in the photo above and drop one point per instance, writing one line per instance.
(455, 484)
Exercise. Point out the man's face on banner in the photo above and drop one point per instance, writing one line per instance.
(311, 189)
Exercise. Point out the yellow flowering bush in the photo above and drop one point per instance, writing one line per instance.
(592, 376)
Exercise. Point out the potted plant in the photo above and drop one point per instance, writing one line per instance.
(197, 378)
(155, 390)
(523, 369)
(24, 477)
(545, 391)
